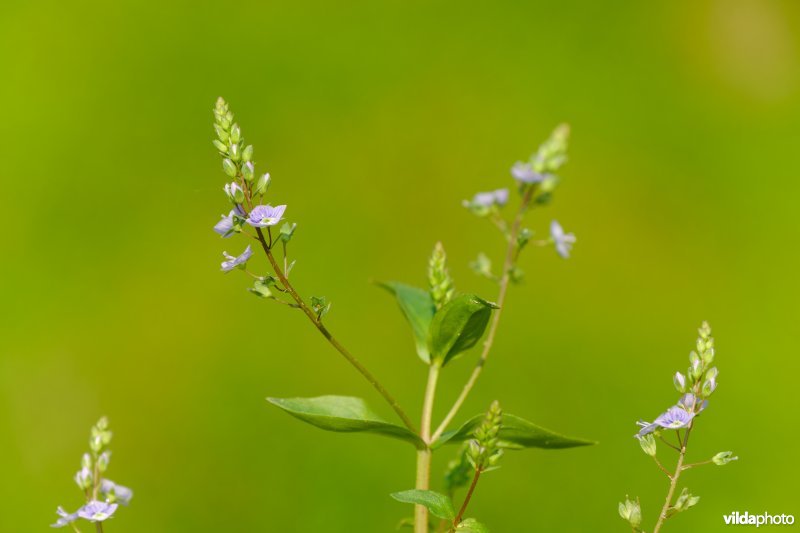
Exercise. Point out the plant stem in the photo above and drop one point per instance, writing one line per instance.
(508, 264)
(312, 316)
(467, 499)
(99, 527)
(673, 482)
(424, 455)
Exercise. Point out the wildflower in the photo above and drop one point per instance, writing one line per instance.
(265, 215)
(115, 493)
(84, 478)
(232, 262)
(498, 197)
(631, 512)
(675, 417)
(563, 241)
(234, 192)
(225, 226)
(523, 172)
(680, 381)
(64, 518)
(691, 403)
(96, 511)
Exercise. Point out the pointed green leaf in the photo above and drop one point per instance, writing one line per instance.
(345, 414)
(458, 326)
(438, 504)
(418, 308)
(515, 433)
(470, 525)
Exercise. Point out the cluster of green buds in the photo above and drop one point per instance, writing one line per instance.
(484, 450)
(701, 377)
(441, 284)
(631, 512)
(237, 158)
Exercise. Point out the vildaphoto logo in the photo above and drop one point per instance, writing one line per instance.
(765, 519)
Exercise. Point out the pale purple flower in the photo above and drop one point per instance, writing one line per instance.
(225, 226)
(691, 403)
(497, 197)
(232, 262)
(120, 493)
(64, 518)
(524, 172)
(675, 417)
(265, 215)
(563, 241)
(96, 511)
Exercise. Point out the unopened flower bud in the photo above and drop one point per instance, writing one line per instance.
(709, 387)
(680, 381)
(103, 460)
(723, 458)
(221, 146)
(631, 512)
(221, 133)
(236, 133)
(229, 167)
(84, 478)
(235, 153)
(247, 153)
(685, 501)
(262, 184)
(234, 192)
(648, 444)
(248, 169)
(86, 461)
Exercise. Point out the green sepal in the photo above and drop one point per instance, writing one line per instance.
(470, 525)
(344, 414)
(418, 308)
(438, 504)
(515, 433)
(458, 326)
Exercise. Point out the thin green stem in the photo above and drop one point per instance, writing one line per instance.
(424, 455)
(312, 316)
(99, 526)
(662, 517)
(467, 498)
(510, 260)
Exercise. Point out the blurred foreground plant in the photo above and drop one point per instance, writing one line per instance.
(696, 386)
(103, 496)
(444, 322)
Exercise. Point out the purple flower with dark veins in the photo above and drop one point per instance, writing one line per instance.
(232, 262)
(675, 417)
(563, 241)
(524, 172)
(225, 226)
(265, 215)
(96, 511)
(64, 518)
(118, 493)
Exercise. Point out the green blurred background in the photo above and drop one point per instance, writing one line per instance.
(376, 119)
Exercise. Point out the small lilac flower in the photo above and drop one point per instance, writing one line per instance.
(524, 172)
(690, 403)
(232, 262)
(488, 199)
(676, 417)
(225, 226)
(96, 511)
(563, 241)
(117, 493)
(64, 518)
(265, 215)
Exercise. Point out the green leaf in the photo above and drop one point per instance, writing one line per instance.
(515, 433)
(470, 525)
(438, 504)
(418, 308)
(458, 326)
(344, 414)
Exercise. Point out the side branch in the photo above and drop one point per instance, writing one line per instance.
(329, 337)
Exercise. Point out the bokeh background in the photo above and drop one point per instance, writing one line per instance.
(376, 120)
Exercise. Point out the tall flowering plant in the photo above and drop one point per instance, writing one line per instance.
(102, 495)
(445, 324)
(673, 428)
